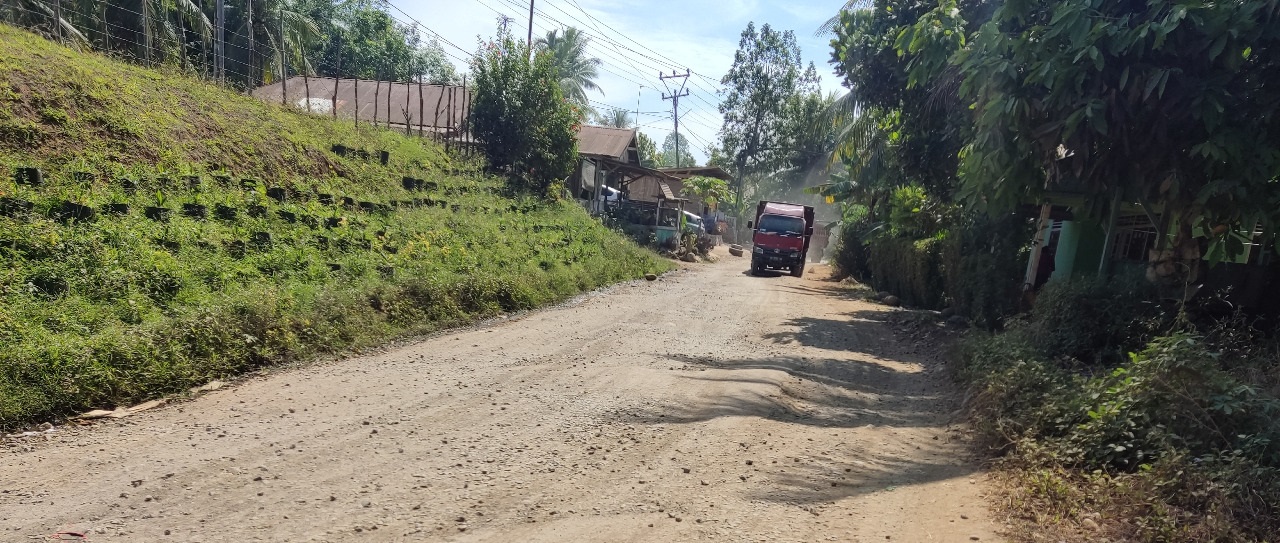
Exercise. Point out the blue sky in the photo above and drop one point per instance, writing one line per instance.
(638, 39)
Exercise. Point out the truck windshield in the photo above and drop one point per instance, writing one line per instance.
(778, 224)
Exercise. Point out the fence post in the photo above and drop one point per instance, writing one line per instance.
(284, 68)
(57, 20)
(435, 120)
(466, 116)
(448, 129)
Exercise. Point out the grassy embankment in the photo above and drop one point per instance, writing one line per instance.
(111, 309)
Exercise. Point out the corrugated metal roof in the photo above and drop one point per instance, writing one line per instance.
(411, 103)
(705, 171)
(606, 142)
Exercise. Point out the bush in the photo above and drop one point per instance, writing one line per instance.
(983, 261)
(1172, 397)
(1017, 394)
(1169, 441)
(908, 268)
(850, 258)
(521, 117)
(1094, 320)
(976, 267)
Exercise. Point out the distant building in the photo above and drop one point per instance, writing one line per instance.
(429, 109)
(608, 157)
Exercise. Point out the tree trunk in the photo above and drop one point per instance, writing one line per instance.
(1175, 264)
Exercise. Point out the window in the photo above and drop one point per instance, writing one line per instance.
(777, 224)
(1135, 235)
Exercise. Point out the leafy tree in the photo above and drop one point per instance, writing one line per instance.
(767, 72)
(361, 40)
(519, 115)
(1167, 104)
(708, 190)
(809, 142)
(677, 154)
(878, 50)
(648, 151)
(576, 71)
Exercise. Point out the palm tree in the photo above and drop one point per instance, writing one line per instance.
(829, 27)
(577, 71)
(166, 22)
(44, 17)
(300, 34)
(617, 118)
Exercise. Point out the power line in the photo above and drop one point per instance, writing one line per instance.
(706, 119)
(608, 41)
(543, 28)
(643, 46)
(428, 29)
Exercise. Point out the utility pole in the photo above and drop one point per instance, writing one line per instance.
(675, 103)
(218, 49)
(529, 42)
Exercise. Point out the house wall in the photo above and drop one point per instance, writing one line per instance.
(646, 189)
(1079, 250)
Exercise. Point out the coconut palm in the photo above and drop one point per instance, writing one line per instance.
(44, 17)
(577, 72)
(164, 25)
(300, 34)
(829, 27)
(617, 118)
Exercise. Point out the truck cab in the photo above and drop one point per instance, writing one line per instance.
(781, 237)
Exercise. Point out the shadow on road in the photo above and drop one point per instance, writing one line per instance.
(763, 273)
(862, 331)
(868, 406)
(808, 391)
(886, 401)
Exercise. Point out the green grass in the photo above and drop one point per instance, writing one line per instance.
(115, 310)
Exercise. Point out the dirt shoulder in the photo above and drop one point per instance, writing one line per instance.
(708, 405)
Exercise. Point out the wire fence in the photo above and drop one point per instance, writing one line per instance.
(437, 111)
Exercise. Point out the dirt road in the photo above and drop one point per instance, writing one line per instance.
(706, 406)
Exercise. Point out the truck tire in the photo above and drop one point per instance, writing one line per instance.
(798, 270)
(755, 267)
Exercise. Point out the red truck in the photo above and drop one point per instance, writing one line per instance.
(781, 237)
